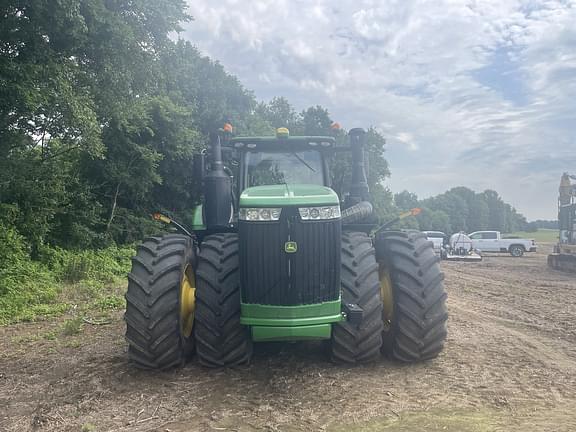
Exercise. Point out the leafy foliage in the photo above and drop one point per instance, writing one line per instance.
(24, 284)
(462, 209)
(31, 288)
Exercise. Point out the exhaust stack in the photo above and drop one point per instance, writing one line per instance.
(359, 184)
(218, 206)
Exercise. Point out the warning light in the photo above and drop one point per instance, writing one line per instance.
(411, 212)
(282, 132)
(162, 218)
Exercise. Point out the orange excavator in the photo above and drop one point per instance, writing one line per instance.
(564, 256)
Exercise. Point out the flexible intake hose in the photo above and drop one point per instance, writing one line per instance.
(357, 212)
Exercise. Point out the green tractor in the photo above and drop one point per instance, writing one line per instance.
(276, 255)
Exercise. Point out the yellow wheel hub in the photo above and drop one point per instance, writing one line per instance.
(387, 295)
(187, 301)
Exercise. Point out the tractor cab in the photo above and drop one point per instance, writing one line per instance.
(262, 170)
(282, 159)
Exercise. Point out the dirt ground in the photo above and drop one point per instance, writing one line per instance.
(509, 365)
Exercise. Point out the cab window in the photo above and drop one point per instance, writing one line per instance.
(299, 167)
(489, 236)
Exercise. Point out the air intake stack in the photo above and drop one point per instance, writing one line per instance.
(359, 184)
(217, 189)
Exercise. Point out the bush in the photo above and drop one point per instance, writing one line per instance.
(30, 288)
(24, 284)
(104, 265)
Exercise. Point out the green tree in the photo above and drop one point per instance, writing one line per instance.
(68, 70)
(434, 220)
(314, 121)
(406, 200)
(278, 113)
(479, 213)
(453, 205)
(496, 210)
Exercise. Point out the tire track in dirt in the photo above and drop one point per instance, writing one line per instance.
(521, 290)
(542, 350)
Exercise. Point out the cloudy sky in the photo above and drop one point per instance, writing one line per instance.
(479, 93)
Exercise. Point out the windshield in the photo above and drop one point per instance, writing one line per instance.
(268, 168)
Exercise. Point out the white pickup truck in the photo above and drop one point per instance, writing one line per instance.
(492, 241)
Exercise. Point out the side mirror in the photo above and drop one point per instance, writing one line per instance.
(198, 168)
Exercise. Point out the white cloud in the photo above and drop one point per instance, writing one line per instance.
(476, 92)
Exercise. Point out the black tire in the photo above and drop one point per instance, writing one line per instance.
(516, 250)
(152, 316)
(359, 343)
(443, 254)
(417, 330)
(220, 338)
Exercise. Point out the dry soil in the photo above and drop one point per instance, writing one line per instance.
(509, 365)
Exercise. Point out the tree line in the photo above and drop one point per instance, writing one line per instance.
(462, 209)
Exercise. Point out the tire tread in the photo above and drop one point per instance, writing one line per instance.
(152, 320)
(359, 343)
(418, 330)
(220, 338)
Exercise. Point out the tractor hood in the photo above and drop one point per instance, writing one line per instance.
(288, 194)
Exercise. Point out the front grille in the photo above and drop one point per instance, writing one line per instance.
(271, 276)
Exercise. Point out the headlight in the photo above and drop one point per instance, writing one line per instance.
(259, 214)
(319, 213)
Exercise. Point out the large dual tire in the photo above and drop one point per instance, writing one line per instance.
(154, 327)
(359, 342)
(415, 321)
(220, 338)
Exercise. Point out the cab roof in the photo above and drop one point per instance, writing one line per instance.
(283, 141)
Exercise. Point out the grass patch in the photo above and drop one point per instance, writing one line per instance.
(51, 335)
(110, 302)
(104, 265)
(72, 326)
(58, 281)
(33, 337)
(74, 343)
(542, 235)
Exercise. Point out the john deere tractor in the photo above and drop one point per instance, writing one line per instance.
(274, 254)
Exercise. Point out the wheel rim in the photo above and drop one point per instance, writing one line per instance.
(187, 301)
(387, 294)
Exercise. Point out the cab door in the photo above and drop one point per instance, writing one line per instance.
(486, 241)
